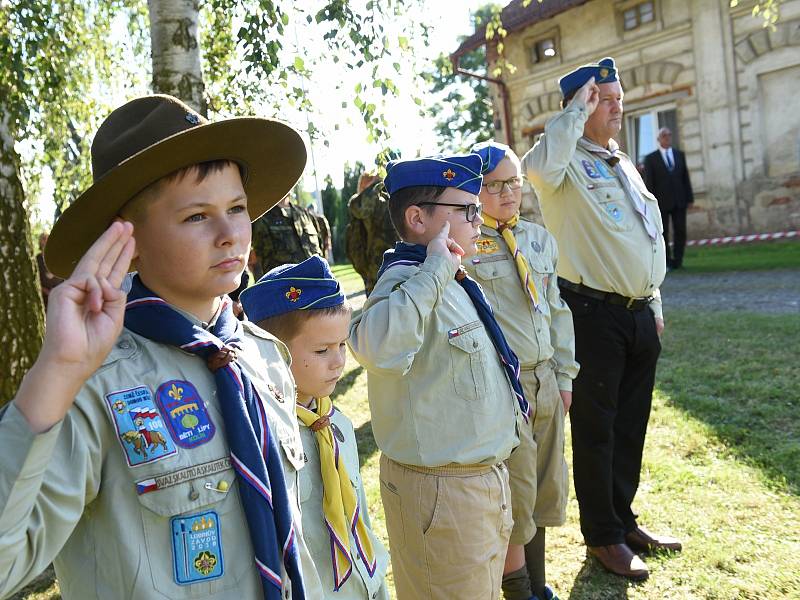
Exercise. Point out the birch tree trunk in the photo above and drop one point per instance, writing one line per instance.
(175, 49)
(21, 313)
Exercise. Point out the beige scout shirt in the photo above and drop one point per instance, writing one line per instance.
(437, 390)
(69, 495)
(359, 586)
(534, 336)
(602, 239)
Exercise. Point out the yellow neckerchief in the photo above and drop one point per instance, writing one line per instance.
(504, 229)
(339, 499)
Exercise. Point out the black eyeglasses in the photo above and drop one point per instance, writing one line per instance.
(495, 187)
(472, 210)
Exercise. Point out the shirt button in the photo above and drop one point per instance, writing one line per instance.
(474, 344)
(124, 345)
(503, 506)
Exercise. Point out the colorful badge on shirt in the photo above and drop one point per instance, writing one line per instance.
(139, 426)
(590, 170)
(602, 168)
(613, 211)
(185, 412)
(486, 246)
(196, 548)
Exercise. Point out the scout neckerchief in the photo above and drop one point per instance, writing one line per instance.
(415, 254)
(339, 501)
(505, 230)
(610, 156)
(254, 451)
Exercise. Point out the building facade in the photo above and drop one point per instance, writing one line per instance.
(728, 87)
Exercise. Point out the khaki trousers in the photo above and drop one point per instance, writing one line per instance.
(448, 529)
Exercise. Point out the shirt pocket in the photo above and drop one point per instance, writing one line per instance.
(493, 275)
(616, 211)
(217, 492)
(542, 269)
(468, 361)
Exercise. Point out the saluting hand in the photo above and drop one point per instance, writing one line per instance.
(443, 245)
(85, 313)
(84, 318)
(589, 94)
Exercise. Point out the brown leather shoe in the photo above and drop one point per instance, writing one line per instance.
(641, 540)
(620, 560)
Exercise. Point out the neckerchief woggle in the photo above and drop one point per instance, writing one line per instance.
(523, 270)
(254, 452)
(340, 507)
(610, 155)
(415, 254)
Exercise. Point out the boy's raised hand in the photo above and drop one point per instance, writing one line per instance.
(443, 245)
(85, 313)
(84, 318)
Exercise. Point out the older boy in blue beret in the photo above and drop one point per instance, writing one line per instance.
(443, 389)
(304, 306)
(515, 265)
(151, 451)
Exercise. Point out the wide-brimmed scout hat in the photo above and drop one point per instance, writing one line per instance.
(149, 138)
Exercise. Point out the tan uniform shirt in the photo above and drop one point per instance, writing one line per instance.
(359, 586)
(534, 336)
(602, 239)
(437, 390)
(113, 530)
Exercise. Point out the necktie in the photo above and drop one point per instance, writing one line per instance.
(415, 254)
(668, 154)
(339, 500)
(505, 230)
(254, 452)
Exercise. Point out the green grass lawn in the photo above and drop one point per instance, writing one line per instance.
(722, 461)
(756, 256)
(350, 281)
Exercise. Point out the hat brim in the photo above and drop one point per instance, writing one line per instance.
(272, 154)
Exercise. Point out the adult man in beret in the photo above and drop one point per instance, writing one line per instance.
(667, 177)
(608, 229)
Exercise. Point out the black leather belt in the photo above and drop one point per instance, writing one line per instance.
(609, 297)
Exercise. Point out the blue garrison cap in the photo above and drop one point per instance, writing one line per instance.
(604, 71)
(309, 284)
(461, 171)
(491, 154)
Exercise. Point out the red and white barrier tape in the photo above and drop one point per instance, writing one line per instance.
(739, 239)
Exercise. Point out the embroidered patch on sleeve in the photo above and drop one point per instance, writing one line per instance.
(139, 425)
(196, 548)
(185, 412)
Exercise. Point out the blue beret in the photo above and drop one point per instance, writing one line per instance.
(491, 154)
(461, 171)
(309, 284)
(604, 71)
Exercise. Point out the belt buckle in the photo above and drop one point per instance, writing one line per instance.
(630, 303)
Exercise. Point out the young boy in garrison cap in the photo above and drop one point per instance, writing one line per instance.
(516, 265)
(153, 448)
(443, 389)
(304, 307)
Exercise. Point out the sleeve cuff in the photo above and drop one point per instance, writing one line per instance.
(564, 382)
(26, 454)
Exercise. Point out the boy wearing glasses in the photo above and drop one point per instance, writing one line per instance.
(443, 389)
(516, 265)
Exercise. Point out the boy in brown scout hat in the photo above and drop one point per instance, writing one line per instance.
(127, 435)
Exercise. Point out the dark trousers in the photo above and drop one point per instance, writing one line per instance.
(678, 218)
(617, 350)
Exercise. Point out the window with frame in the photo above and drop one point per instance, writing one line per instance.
(543, 50)
(638, 15)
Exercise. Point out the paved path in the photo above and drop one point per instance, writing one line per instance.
(773, 292)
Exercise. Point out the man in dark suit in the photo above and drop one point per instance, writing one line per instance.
(667, 177)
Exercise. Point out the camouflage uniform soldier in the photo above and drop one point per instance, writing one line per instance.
(285, 234)
(370, 232)
(324, 230)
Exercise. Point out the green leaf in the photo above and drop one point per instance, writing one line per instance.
(285, 19)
